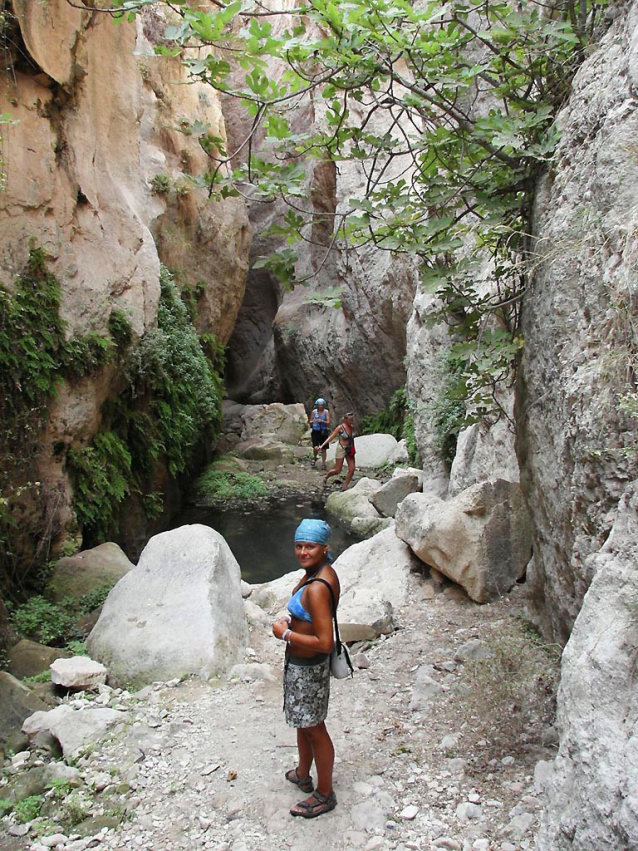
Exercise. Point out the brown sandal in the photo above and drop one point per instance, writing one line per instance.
(304, 783)
(317, 807)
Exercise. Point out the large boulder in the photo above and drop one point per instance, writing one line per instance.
(79, 672)
(264, 449)
(75, 729)
(374, 576)
(481, 539)
(85, 571)
(374, 450)
(283, 423)
(180, 611)
(389, 495)
(353, 510)
(17, 702)
(592, 797)
(28, 658)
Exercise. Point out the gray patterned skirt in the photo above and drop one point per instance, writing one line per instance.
(306, 690)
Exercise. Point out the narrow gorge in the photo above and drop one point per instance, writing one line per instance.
(183, 272)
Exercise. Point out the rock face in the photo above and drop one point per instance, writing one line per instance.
(180, 611)
(575, 444)
(83, 572)
(484, 452)
(284, 423)
(293, 345)
(83, 162)
(592, 798)
(481, 539)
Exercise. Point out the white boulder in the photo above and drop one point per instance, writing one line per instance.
(75, 729)
(78, 672)
(354, 511)
(179, 612)
(389, 495)
(374, 577)
(374, 450)
(481, 539)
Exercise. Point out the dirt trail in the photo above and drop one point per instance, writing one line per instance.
(206, 762)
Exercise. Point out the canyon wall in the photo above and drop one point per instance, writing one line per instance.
(575, 441)
(98, 177)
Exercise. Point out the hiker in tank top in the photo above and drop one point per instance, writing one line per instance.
(307, 631)
(320, 424)
(345, 449)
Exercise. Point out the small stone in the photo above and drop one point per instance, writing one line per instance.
(467, 811)
(204, 823)
(18, 829)
(448, 843)
(474, 797)
(408, 813)
(53, 840)
(481, 845)
(449, 742)
(508, 760)
(209, 769)
(19, 760)
(361, 661)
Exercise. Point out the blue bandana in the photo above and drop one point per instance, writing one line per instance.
(313, 531)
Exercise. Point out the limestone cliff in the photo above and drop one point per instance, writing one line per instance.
(576, 445)
(98, 175)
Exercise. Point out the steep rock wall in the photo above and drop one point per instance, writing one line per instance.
(289, 345)
(576, 447)
(97, 125)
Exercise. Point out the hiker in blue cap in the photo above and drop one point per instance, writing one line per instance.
(319, 421)
(308, 634)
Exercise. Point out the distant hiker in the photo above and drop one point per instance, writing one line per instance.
(309, 638)
(320, 424)
(345, 449)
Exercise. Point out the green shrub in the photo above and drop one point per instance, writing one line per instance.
(224, 484)
(28, 809)
(44, 622)
(161, 184)
(101, 472)
(120, 327)
(397, 419)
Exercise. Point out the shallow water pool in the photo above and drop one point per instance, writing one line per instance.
(262, 539)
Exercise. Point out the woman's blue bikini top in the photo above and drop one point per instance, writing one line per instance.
(296, 608)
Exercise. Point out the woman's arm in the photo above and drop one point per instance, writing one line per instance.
(332, 436)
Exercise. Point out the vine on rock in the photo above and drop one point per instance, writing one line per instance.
(169, 403)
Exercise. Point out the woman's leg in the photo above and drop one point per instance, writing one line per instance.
(350, 462)
(335, 472)
(304, 746)
(324, 755)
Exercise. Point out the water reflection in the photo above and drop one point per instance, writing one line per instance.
(262, 539)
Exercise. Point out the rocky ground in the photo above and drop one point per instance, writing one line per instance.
(435, 750)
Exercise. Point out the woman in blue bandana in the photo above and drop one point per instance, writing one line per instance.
(309, 638)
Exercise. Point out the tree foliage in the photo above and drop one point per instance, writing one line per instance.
(447, 109)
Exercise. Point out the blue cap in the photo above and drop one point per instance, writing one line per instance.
(320, 401)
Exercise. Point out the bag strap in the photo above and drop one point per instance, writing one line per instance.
(334, 605)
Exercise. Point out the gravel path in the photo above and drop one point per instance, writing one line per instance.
(431, 753)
